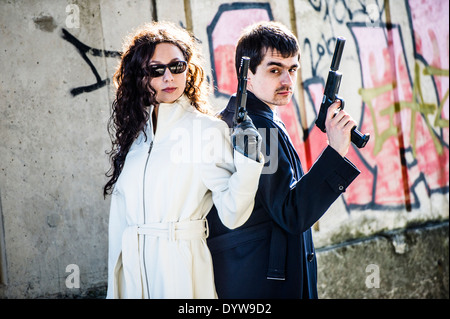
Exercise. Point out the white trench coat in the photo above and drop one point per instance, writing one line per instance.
(169, 182)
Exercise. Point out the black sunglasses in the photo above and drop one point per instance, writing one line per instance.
(157, 70)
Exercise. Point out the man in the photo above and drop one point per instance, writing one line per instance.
(272, 254)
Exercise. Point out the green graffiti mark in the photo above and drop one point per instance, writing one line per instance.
(418, 104)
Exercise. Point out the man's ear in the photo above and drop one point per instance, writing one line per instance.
(249, 80)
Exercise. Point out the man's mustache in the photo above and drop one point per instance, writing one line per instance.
(284, 88)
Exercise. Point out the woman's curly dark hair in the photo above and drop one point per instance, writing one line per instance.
(134, 94)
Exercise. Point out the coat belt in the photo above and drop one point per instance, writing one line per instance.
(131, 248)
(172, 231)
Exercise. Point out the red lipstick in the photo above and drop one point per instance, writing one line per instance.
(169, 89)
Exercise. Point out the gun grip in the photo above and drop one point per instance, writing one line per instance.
(358, 138)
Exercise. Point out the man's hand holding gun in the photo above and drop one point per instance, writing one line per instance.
(332, 119)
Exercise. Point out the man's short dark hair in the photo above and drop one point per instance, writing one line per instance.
(262, 36)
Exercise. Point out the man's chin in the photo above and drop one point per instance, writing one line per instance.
(283, 101)
(278, 102)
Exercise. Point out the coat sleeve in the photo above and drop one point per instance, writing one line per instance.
(297, 204)
(117, 225)
(232, 178)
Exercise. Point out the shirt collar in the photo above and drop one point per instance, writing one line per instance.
(254, 106)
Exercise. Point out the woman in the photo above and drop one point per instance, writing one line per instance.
(171, 161)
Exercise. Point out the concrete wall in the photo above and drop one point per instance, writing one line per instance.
(402, 263)
(57, 59)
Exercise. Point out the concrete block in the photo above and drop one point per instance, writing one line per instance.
(400, 264)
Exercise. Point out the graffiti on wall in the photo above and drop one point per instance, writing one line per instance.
(223, 34)
(403, 88)
(85, 50)
(405, 109)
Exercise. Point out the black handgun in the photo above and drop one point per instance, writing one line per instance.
(240, 114)
(331, 94)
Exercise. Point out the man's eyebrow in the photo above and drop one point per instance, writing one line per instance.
(281, 65)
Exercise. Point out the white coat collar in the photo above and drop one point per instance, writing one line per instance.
(168, 115)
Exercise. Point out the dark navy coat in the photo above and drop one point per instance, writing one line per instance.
(272, 254)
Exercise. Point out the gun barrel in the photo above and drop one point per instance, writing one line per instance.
(241, 94)
(340, 42)
(245, 62)
(242, 82)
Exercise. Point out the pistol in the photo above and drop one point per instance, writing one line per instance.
(240, 114)
(331, 94)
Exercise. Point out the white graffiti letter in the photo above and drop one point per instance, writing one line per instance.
(373, 16)
(373, 280)
(73, 280)
(73, 19)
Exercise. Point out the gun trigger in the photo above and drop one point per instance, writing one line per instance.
(342, 102)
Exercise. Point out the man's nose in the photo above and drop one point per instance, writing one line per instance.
(286, 78)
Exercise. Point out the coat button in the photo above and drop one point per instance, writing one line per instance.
(310, 257)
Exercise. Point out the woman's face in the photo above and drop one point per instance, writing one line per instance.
(169, 86)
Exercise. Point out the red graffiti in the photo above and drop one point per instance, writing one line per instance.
(408, 122)
(224, 39)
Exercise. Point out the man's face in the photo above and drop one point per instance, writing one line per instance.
(275, 78)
